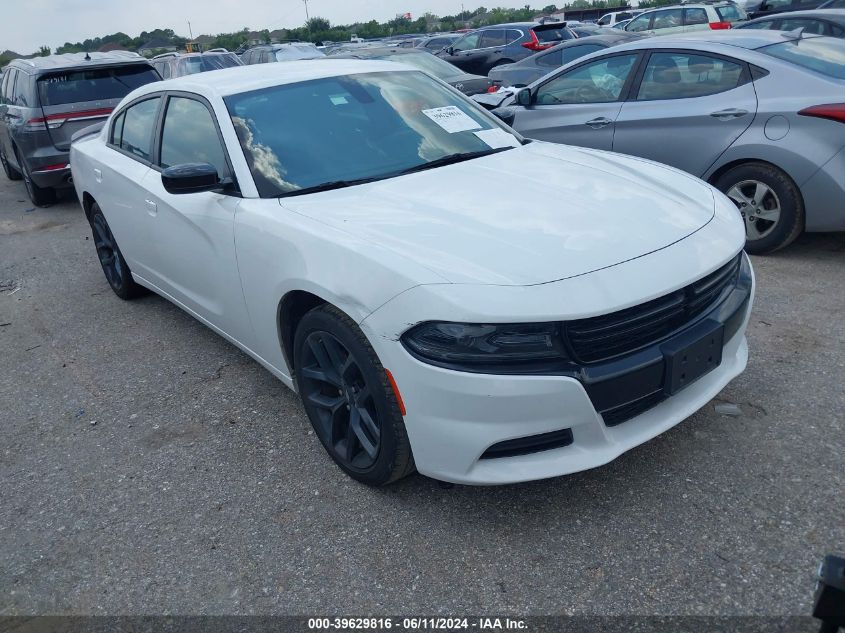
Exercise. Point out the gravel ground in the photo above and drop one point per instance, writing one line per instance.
(148, 466)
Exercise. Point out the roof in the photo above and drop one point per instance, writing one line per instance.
(376, 51)
(229, 81)
(835, 15)
(750, 39)
(72, 60)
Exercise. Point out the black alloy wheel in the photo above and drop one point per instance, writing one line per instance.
(111, 259)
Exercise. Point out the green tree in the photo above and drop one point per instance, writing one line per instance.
(44, 51)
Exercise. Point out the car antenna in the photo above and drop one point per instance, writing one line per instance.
(87, 57)
(795, 34)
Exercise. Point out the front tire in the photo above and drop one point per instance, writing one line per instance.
(348, 399)
(111, 259)
(770, 203)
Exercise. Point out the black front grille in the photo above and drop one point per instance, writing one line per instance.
(610, 335)
(625, 412)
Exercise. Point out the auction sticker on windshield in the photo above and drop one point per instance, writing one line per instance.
(452, 119)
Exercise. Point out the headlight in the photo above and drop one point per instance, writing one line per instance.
(478, 345)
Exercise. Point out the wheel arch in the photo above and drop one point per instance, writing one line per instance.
(294, 305)
(723, 169)
(87, 203)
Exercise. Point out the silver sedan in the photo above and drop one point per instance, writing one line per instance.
(761, 115)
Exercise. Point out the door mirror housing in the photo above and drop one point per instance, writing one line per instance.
(449, 50)
(191, 178)
(505, 114)
(523, 97)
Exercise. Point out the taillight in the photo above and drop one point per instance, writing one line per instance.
(719, 26)
(832, 111)
(53, 121)
(534, 44)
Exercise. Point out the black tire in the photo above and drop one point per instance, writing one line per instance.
(11, 172)
(782, 198)
(111, 259)
(40, 196)
(341, 381)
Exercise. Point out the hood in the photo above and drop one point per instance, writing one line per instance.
(529, 215)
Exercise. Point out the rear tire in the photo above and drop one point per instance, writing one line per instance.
(111, 259)
(40, 196)
(346, 394)
(770, 202)
(11, 172)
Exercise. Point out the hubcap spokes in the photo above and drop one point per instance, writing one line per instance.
(334, 384)
(759, 205)
(107, 252)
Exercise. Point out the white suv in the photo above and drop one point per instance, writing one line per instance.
(609, 20)
(687, 17)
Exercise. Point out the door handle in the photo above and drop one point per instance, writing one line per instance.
(98, 175)
(728, 114)
(599, 122)
(152, 207)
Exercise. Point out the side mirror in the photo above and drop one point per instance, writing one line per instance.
(449, 50)
(191, 178)
(523, 97)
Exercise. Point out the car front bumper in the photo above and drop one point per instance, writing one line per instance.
(454, 417)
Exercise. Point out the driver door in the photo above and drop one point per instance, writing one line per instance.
(580, 105)
(464, 52)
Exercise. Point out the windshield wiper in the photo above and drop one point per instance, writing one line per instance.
(328, 186)
(437, 162)
(450, 159)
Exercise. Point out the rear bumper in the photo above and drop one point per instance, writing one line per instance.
(824, 196)
(52, 178)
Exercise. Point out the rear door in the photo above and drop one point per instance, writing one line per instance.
(687, 108)
(580, 105)
(75, 98)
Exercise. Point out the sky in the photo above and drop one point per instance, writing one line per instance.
(28, 24)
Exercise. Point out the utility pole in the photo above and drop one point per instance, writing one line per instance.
(190, 32)
(307, 18)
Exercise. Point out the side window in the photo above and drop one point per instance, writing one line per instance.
(117, 129)
(6, 88)
(685, 75)
(695, 16)
(163, 69)
(623, 15)
(809, 26)
(640, 23)
(468, 42)
(765, 24)
(836, 31)
(574, 52)
(189, 135)
(666, 19)
(137, 132)
(605, 20)
(514, 35)
(599, 81)
(493, 37)
(11, 95)
(267, 57)
(553, 59)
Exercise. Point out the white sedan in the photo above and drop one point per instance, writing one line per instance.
(444, 295)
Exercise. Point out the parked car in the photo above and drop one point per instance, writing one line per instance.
(621, 25)
(171, 65)
(468, 84)
(44, 100)
(833, 4)
(609, 20)
(585, 30)
(829, 22)
(438, 42)
(687, 17)
(480, 339)
(479, 51)
(532, 68)
(763, 8)
(757, 114)
(285, 52)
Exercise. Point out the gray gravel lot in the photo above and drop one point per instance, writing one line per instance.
(148, 466)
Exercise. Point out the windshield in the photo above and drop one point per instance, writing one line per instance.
(367, 126)
(206, 62)
(825, 55)
(424, 61)
(96, 84)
